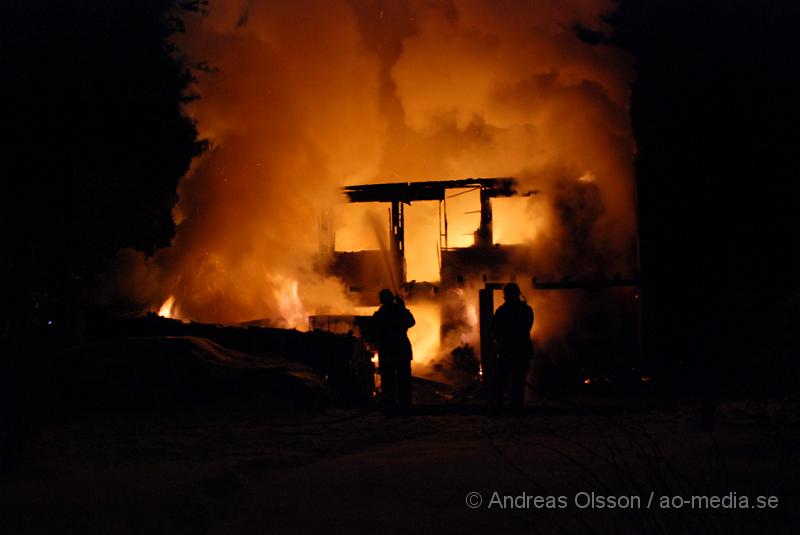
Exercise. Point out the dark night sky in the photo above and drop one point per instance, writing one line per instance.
(714, 110)
(715, 116)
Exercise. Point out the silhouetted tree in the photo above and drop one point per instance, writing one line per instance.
(96, 143)
(98, 140)
(715, 113)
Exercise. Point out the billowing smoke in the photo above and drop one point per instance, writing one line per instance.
(306, 96)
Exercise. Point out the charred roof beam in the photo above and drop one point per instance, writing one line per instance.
(432, 190)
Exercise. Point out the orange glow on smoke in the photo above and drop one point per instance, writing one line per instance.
(462, 217)
(422, 249)
(425, 334)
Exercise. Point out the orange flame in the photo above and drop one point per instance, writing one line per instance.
(290, 305)
(166, 310)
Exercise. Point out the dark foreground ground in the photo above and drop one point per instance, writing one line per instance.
(250, 469)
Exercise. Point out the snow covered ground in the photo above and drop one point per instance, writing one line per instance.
(247, 468)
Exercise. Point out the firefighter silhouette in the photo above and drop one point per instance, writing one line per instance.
(389, 332)
(511, 329)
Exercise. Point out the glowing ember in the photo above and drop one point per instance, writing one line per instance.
(377, 376)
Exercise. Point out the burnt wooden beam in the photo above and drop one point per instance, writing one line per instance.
(431, 190)
(586, 284)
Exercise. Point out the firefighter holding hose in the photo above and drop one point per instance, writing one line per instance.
(390, 325)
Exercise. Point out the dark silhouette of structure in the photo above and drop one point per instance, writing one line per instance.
(389, 333)
(511, 328)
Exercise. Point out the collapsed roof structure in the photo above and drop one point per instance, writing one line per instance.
(482, 254)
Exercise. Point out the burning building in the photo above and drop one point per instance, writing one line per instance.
(463, 316)
(303, 98)
(455, 263)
